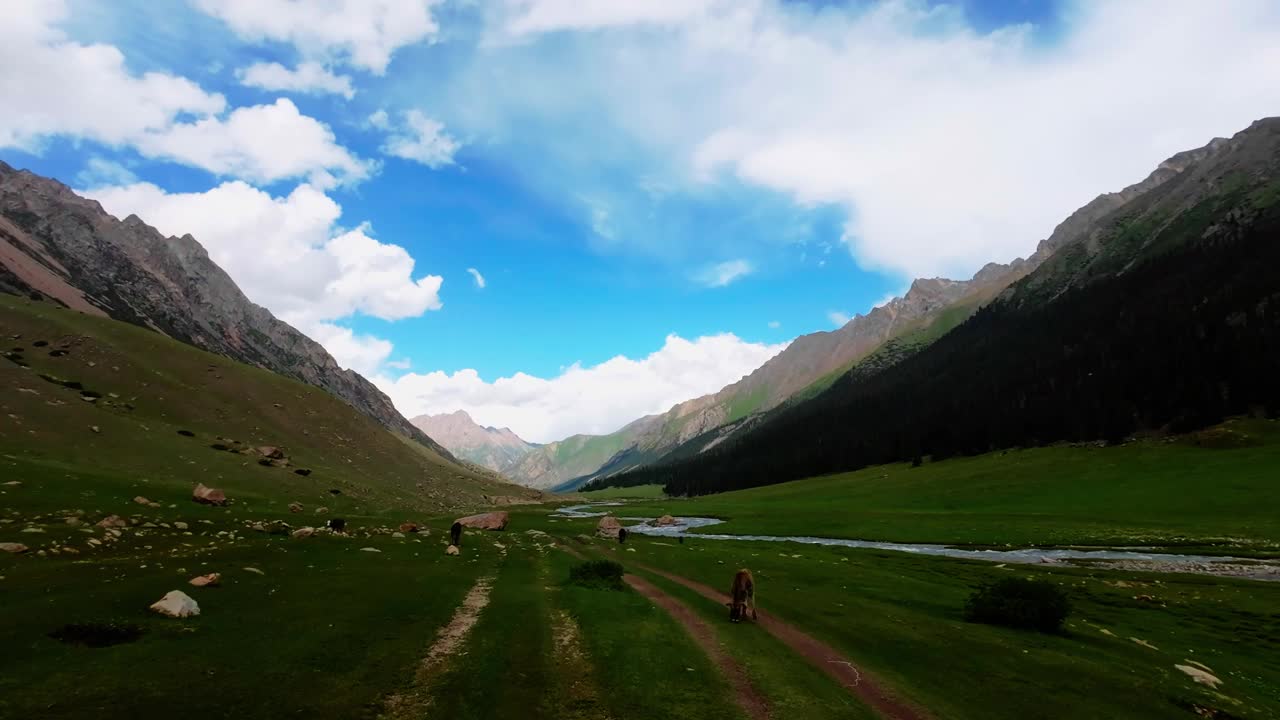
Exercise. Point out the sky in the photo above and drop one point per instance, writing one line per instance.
(561, 215)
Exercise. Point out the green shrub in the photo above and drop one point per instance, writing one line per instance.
(598, 574)
(1020, 603)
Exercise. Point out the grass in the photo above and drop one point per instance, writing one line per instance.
(902, 617)
(1218, 487)
(625, 493)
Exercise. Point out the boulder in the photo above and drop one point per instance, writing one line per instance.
(178, 524)
(113, 521)
(409, 527)
(142, 501)
(13, 547)
(271, 452)
(176, 604)
(451, 550)
(665, 521)
(608, 527)
(370, 549)
(295, 507)
(486, 521)
(322, 510)
(205, 580)
(304, 532)
(208, 496)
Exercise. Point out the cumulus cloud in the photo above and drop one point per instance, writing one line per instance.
(262, 143)
(50, 86)
(363, 33)
(838, 318)
(287, 254)
(595, 399)
(946, 147)
(307, 77)
(417, 138)
(721, 274)
(475, 275)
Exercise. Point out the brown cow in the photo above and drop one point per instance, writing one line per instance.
(742, 596)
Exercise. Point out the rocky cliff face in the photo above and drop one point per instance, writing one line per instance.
(495, 448)
(64, 247)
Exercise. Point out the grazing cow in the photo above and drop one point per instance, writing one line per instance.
(622, 535)
(337, 525)
(742, 596)
(455, 533)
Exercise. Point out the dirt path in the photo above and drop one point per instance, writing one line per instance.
(747, 696)
(819, 654)
(413, 701)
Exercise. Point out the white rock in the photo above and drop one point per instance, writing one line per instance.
(397, 534)
(254, 570)
(176, 604)
(304, 532)
(180, 525)
(370, 549)
(452, 550)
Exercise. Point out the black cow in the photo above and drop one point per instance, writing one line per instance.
(455, 533)
(622, 535)
(337, 525)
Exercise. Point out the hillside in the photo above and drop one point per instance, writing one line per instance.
(1156, 315)
(88, 409)
(56, 244)
(494, 448)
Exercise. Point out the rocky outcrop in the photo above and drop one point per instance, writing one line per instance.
(486, 521)
(608, 527)
(498, 449)
(59, 245)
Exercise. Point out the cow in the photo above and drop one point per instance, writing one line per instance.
(742, 596)
(622, 535)
(455, 534)
(337, 525)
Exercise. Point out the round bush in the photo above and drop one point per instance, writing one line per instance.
(1020, 603)
(597, 573)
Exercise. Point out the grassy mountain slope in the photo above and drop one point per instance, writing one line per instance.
(149, 387)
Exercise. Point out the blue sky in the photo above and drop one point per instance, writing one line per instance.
(658, 195)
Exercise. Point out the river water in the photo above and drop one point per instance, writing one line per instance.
(1122, 558)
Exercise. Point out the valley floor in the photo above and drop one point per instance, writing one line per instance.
(374, 625)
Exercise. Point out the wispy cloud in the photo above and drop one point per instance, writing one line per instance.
(721, 274)
(838, 318)
(774, 324)
(478, 277)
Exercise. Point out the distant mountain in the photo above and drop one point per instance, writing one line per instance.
(1154, 309)
(495, 448)
(56, 244)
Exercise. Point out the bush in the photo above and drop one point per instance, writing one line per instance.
(98, 634)
(597, 574)
(1020, 603)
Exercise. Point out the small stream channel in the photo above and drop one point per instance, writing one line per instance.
(1118, 558)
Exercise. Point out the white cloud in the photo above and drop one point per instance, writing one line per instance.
(721, 274)
(401, 364)
(596, 399)
(100, 171)
(774, 324)
(475, 274)
(52, 86)
(262, 143)
(287, 254)
(937, 171)
(308, 77)
(364, 33)
(838, 318)
(417, 138)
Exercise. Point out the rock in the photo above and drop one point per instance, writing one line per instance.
(295, 507)
(397, 534)
(1200, 675)
(13, 483)
(535, 533)
(176, 604)
(74, 521)
(254, 570)
(271, 452)
(179, 525)
(302, 471)
(370, 549)
(322, 510)
(408, 527)
(113, 521)
(33, 530)
(13, 547)
(486, 521)
(664, 521)
(1144, 598)
(208, 496)
(303, 532)
(95, 428)
(608, 527)
(141, 500)
(206, 580)
(451, 550)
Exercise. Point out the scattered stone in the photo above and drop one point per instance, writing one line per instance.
(408, 527)
(451, 550)
(94, 542)
(295, 507)
(486, 521)
(535, 533)
(303, 532)
(176, 604)
(113, 521)
(74, 521)
(254, 570)
(1200, 675)
(1144, 598)
(608, 527)
(206, 580)
(664, 521)
(271, 452)
(13, 547)
(141, 500)
(178, 524)
(397, 534)
(1144, 643)
(95, 428)
(208, 495)
(370, 549)
(13, 483)
(322, 510)
(33, 530)
(302, 471)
